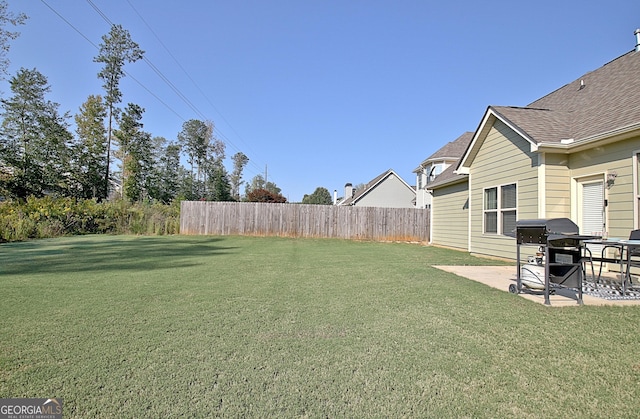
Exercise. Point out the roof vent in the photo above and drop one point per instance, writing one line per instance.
(637, 34)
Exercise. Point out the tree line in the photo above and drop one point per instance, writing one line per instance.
(109, 154)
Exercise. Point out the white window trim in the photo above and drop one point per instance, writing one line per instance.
(499, 210)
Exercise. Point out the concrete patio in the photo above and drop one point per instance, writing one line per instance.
(501, 277)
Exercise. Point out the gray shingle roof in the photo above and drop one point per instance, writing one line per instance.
(367, 187)
(453, 149)
(540, 125)
(447, 177)
(600, 101)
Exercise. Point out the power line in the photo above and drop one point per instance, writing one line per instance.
(186, 73)
(159, 73)
(96, 47)
(100, 12)
(155, 69)
(221, 135)
(166, 80)
(70, 24)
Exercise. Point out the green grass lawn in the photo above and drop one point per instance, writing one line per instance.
(122, 326)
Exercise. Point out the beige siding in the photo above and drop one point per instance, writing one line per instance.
(527, 196)
(503, 158)
(450, 216)
(557, 186)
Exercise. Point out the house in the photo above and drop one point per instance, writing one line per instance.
(452, 211)
(434, 165)
(573, 153)
(388, 190)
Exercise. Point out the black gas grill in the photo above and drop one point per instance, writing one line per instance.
(562, 245)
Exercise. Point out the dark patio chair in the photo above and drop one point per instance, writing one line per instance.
(633, 256)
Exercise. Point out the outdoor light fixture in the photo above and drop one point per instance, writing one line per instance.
(611, 179)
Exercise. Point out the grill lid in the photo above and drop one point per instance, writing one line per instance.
(562, 226)
(540, 231)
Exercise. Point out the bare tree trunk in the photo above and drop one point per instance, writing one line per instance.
(106, 176)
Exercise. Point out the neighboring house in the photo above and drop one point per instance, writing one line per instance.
(387, 190)
(115, 189)
(434, 165)
(452, 209)
(573, 153)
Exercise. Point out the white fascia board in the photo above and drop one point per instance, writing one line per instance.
(517, 129)
(478, 138)
(608, 137)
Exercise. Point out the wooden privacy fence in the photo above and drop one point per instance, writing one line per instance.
(300, 220)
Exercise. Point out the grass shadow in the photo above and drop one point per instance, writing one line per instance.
(103, 252)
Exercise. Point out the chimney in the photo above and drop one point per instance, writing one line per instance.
(348, 191)
(637, 34)
(335, 196)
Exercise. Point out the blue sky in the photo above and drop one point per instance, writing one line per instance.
(321, 93)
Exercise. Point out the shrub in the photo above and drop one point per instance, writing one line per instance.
(52, 217)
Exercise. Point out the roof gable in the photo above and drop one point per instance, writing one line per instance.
(455, 148)
(372, 185)
(600, 103)
(451, 152)
(491, 115)
(537, 125)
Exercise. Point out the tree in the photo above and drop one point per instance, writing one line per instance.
(320, 196)
(218, 187)
(194, 140)
(135, 152)
(7, 18)
(258, 182)
(263, 195)
(90, 148)
(166, 174)
(117, 49)
(273, 188)
(240, 160)
(216, 182)
(55, 154)
(35, 140)
(358, 187)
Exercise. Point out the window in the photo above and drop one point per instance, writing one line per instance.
(500, 209)
(491, 210)
(435, 170)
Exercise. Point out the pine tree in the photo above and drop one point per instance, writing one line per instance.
(240, 160)
(35, 140)
(89, 149)
(135, 152)
(164, 179)
(117, 48)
